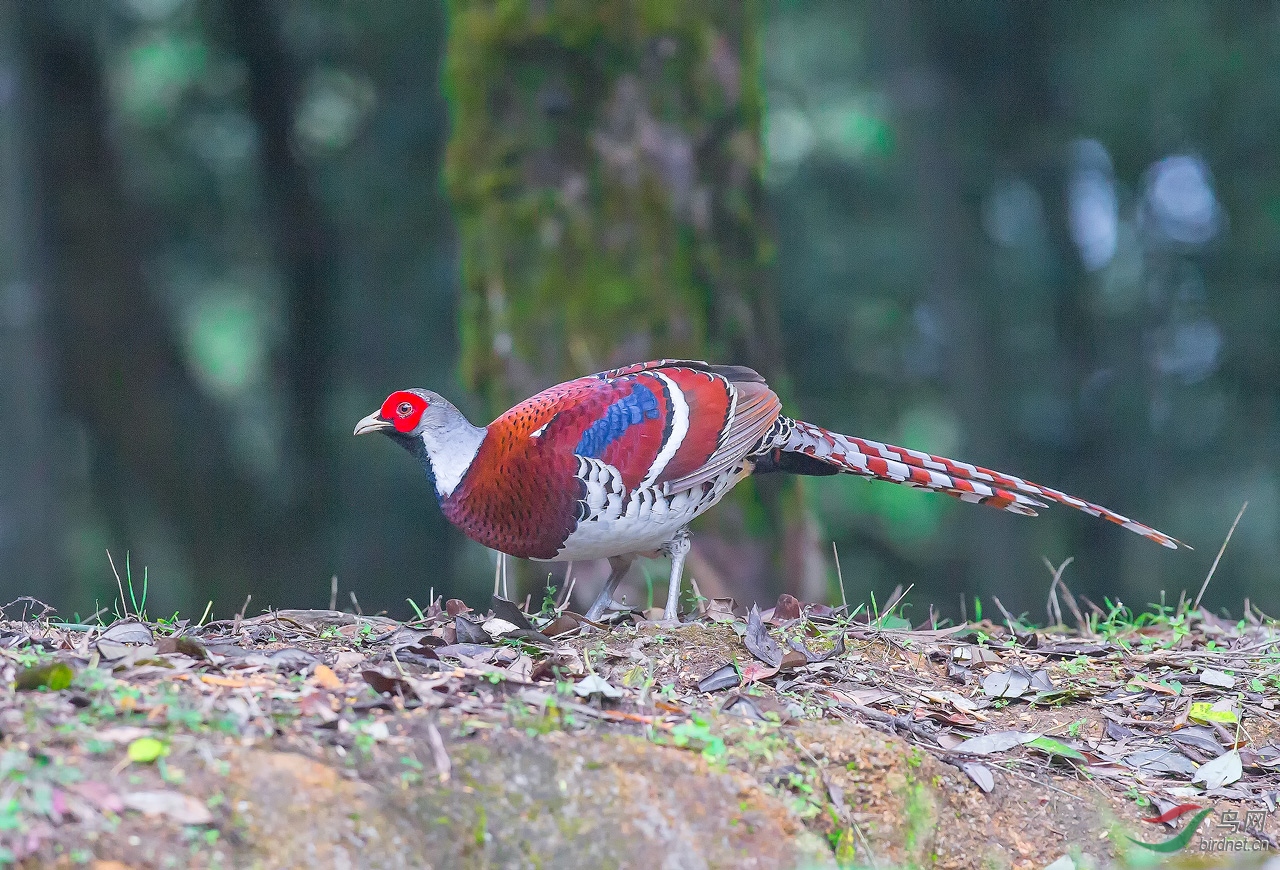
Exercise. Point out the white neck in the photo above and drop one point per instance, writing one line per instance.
(451, 444)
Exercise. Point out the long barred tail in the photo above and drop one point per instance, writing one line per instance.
(902, 465)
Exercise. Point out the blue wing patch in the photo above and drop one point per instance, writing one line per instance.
(638, 406)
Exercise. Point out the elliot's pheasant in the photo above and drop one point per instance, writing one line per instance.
(616, 465)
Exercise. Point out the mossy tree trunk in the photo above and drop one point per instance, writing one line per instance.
(604, 162)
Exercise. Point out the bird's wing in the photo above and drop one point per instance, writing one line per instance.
(726, 419)
(669, 423)
(717, 414)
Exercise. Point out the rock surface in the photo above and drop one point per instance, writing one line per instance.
(518, 801)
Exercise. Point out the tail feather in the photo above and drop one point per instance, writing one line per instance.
(971, 483)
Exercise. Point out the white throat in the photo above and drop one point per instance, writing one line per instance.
(451, 445)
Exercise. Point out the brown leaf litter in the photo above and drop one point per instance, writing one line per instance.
(502, 738)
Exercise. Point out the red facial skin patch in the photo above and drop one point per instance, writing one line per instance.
(403, 410)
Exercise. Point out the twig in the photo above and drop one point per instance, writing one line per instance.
(1102, 614)
(27, 600)
(235, 625)
(438, 753)
(333, 592)
(898, 599)
(123, 604)
(1221, 550)
(497, 574)
(569, 580)
(204, 615)
(844, 601)
(1000, 765)
(355, 603)
(1052, 607)
(893, 721)
(700, 605)
(1008, 617)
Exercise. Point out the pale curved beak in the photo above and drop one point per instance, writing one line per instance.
(372, 423)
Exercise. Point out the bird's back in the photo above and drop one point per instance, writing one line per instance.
(580, 452)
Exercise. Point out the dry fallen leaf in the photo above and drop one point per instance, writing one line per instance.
(980, 774)
(758, 641)
(1210, 677)
(975, 656)
(1223, 770)
(182, 808)
(593, 684)
(348, 660)
(560, 625)
(1006, 684)
(509, 612)
(723, 677)
(787, 608)
(122, 734)
(997, 741)
(128, 631)
(102, 796)
(325, 678)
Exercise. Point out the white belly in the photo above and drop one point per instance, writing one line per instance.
(642, 522)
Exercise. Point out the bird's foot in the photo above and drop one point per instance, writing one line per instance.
(596, 612)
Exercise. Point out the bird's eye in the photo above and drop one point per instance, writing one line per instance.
(404, 409)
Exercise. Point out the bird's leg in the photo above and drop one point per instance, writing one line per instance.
(679, 549)
(619, 565)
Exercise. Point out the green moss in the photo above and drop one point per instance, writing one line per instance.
(596, 150)
(921, 818)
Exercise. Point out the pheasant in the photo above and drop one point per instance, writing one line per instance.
(616, 465)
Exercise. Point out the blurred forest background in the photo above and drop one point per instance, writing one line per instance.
(1040, 237)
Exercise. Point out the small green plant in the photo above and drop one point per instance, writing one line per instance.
(139, 609)
(412, 774)
(1138, 797)
(1076, 666)
(694, 600)
(697, 734)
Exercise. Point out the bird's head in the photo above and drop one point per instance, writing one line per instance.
(406, 413)
(432, 429)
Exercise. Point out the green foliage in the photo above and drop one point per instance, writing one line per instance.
(697, 734)
(145, 750)
(54, 676)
